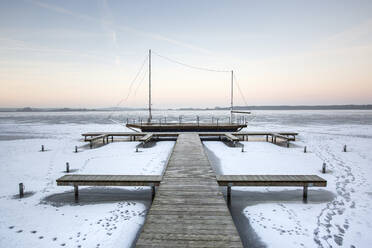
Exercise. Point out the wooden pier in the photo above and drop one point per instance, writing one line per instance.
(189, 210)
(188, 127)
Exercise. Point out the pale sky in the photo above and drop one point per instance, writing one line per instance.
(85, 53)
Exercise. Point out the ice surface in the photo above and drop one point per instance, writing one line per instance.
(339, 215)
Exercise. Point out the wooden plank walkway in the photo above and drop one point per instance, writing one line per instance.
(189, 210)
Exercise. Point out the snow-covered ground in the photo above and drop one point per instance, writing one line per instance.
(339, 215)
(48, 216)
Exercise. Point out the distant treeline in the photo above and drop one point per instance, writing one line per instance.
(271, 107)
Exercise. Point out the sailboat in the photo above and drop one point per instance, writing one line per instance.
(150, 126)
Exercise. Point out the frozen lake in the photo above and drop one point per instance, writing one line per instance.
(339, 215)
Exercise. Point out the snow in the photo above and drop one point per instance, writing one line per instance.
(339, 215)
(48, 216)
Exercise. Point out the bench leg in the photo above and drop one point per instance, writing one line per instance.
(76, 192)
(152, 193)
(305, 194)
(229, 195)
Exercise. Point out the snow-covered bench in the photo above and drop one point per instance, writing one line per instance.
(231, 138)
(304, 181)
(109, 180)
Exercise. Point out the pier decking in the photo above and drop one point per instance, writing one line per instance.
(189, 210)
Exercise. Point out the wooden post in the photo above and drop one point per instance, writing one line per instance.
(305, 149)
(228, 194)
(344, 148)
(324, 168)
(152, 192)
(305, 193)
(67, 167)
(21, 190)
(42, 148)
(76, 192)
(76, 149)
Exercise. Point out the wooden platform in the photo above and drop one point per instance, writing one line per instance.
(109, 180)
(188, 127)
(304, 181)
(188, 209)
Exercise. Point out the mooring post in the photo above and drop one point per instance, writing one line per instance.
(287, 143)
(304, 197)
(197, 120)
(42, 148)
(267, 138)
(344, 148)
(67, 167)
(228, 193)
(179, 119)
(324, 168)
(152, 192)
(90, 144)
(21, 190)
(76, 192)
(242, 148)
(76, 149)
(305, 149)
(217, 121)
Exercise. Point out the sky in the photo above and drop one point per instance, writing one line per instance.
(94, 53)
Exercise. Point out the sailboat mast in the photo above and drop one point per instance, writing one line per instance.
(232, 96)
(150, 116)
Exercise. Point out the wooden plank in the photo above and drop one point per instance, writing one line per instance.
(109, 180)
(271, 180)
(188, 205)
(231, 137)
(146, 138)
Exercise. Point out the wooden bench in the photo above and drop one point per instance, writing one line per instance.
(109, 180)
(102, 136)
(280, 136)
(304, 181)
(231, 138)
(146, 138)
